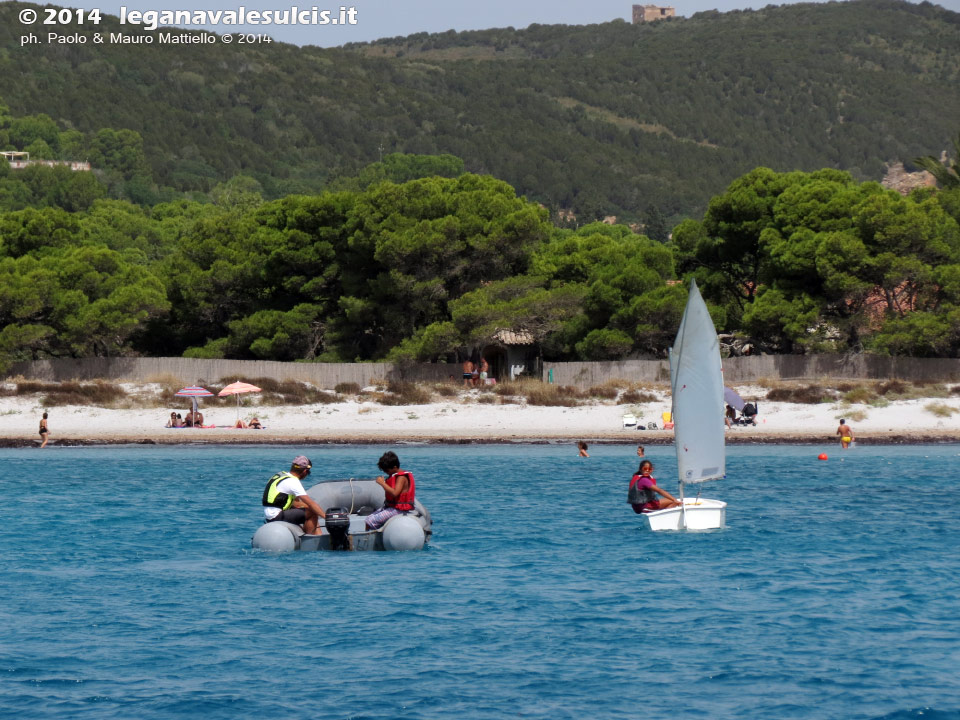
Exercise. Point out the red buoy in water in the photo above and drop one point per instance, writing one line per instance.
(822, 456)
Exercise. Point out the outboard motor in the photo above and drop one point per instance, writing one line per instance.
(338, 525)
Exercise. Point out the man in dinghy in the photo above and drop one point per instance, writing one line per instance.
(643, 492)
(399, 490)
(284, 498)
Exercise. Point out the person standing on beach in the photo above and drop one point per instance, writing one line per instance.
(467, 373)
(285, 499)
(44, 431)
(845, 433)
(484, 371)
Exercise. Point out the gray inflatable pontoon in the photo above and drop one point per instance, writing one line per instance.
(357, 499)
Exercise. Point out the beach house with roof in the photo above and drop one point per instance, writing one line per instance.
(512, 354)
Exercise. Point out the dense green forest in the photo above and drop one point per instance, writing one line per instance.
(426, 269)
(645, 122)
(240, 208)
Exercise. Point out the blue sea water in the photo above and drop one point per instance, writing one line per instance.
(129, 589)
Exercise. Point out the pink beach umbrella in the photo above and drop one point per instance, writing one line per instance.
(238, 388)
(193, 392)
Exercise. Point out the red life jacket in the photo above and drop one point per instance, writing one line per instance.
(404, 501)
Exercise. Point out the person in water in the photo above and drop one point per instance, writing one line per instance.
(845, 433)
(639, 451)
(44, 431)
(582, 449)
(285, 499)
(399, 490)
(643, 491)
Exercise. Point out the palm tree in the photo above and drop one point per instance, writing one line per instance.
(946, 171)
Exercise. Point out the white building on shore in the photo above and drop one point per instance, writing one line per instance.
(20, 160)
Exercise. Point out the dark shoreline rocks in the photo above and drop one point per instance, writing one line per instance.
(638, 439)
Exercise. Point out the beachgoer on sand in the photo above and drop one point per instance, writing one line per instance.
(254, 424)
(467, 373)
(845, 433)
(730, 416)
(643, 491)
(284, 498)
(399, 490)
(44, 431)
(172, 422)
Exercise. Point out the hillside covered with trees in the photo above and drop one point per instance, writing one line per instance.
(239, 206)
(426, 269)
(645, 122)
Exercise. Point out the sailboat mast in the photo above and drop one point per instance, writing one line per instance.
(683, 509)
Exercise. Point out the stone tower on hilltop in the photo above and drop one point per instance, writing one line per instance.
(651, 13)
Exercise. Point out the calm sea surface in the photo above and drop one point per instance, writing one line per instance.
(129, 589)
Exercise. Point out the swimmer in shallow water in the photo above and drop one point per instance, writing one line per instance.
(845, 433)
(44, 431)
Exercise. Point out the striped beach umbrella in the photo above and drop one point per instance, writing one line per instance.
(238, 388)
(193, 392)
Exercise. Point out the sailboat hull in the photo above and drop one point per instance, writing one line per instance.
(698, 514)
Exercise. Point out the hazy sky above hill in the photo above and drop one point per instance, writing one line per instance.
(390, 18)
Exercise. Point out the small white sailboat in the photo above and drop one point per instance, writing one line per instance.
(696, 381)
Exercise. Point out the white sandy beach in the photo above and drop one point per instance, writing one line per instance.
(464, 419)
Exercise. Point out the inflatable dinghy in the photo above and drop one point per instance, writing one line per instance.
(347, 503)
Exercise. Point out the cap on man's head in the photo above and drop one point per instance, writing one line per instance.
(301, 461)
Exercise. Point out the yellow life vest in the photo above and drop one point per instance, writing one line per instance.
(273, 498)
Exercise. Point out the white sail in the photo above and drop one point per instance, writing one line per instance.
(696, 379)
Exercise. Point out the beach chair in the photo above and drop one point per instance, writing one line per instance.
(667, 420)
(630, 420)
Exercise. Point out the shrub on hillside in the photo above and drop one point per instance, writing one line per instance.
(605, 392)
(404, 393)
(807, 394)
(552, 395)
(939, 409)
(99, 393)
(636, 397)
